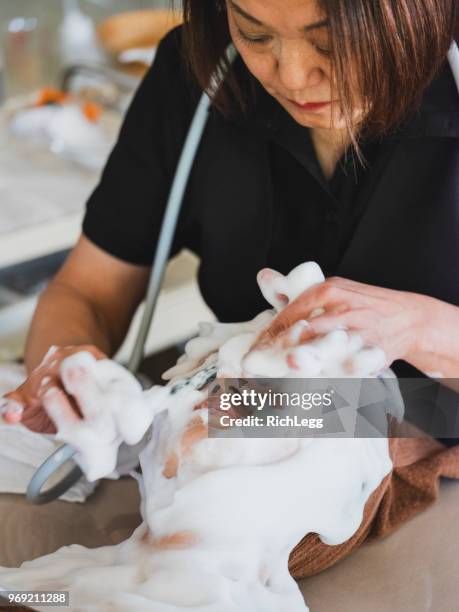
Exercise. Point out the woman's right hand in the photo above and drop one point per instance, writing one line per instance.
(25, 404)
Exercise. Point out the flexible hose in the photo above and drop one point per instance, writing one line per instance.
(173, 207)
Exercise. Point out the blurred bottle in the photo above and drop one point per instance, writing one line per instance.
(78, 39)
(2, 79)
(25, 55)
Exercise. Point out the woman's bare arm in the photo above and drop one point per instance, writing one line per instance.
(91, 301)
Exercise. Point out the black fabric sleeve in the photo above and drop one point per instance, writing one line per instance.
(124, 213)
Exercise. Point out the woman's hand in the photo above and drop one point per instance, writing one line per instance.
(25, 404)
(392, 320)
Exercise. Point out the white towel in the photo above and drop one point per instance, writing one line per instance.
(22, 451)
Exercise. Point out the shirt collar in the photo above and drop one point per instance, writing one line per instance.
(438, 114)
(273, 122)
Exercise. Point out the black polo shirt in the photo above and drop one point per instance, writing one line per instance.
(257, 196)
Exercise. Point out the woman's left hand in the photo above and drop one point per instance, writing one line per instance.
(392, 320)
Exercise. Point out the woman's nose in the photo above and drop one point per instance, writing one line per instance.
(297, 70)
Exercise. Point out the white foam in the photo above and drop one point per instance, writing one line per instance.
(220, 515)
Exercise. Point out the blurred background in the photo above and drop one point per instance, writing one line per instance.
(30, 35)
(68, 70)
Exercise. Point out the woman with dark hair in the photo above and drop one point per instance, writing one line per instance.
(334, 138)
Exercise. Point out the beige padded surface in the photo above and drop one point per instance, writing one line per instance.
(28, 531)
(415, 569)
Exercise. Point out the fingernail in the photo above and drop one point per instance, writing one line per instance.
(292, 362)
(262, 343)
(316, 313)
(45, 381)
(297, 329)
(259, 346)
(12, 407)
(50, 391)
(51, 351)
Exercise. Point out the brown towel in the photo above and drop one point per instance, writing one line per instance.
(412, 486)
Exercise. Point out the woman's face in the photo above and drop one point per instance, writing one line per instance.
(285, 45)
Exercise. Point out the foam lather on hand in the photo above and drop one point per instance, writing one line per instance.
(220, 515)
(334, 355)
(113, 406)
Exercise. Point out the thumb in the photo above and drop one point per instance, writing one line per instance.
(12, 407)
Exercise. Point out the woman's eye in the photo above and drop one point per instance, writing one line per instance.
(253, 40)
(322, 50)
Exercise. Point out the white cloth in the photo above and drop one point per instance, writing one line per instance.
(22, 451)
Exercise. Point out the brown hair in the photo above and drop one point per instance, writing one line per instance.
(395, 47)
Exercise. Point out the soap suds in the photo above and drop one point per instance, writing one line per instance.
(220, 515)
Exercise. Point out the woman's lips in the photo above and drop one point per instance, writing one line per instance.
(311, 106)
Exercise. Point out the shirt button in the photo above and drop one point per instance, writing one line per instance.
(331, 216)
